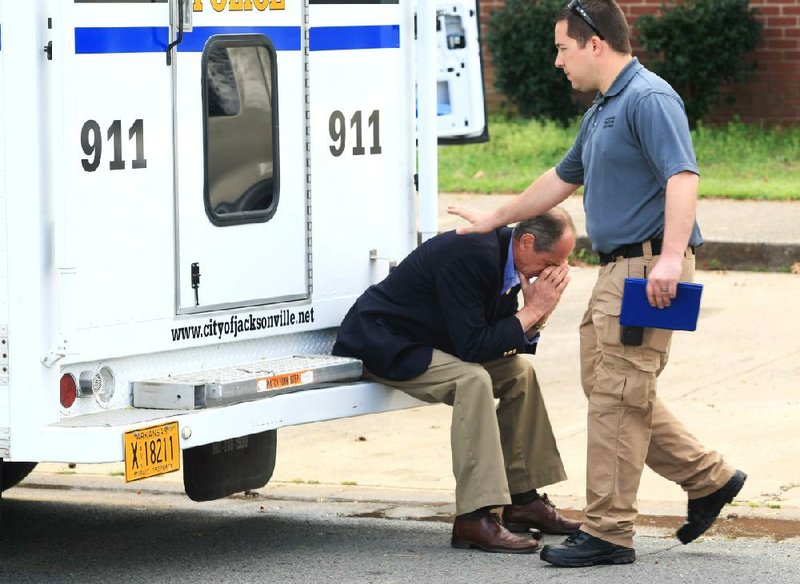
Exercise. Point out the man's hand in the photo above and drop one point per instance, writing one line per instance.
(543, 194)
(480, 221)
(542, 297)
(679, 215)
(662, 282)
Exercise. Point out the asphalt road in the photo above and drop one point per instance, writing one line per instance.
(76, 530)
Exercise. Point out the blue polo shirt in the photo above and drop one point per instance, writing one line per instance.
(631, 141)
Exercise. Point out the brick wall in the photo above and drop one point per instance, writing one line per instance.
(772, 96)
(493, 98)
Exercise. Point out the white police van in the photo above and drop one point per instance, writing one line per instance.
(192, 194)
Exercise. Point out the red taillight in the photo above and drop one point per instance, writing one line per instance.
(69, 390)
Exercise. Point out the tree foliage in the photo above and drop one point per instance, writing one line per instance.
(699, 46)
(520, 39)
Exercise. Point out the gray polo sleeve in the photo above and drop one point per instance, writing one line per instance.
(570, 169)
(663, 133)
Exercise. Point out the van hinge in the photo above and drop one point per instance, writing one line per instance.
(55, 354)
(48, 48)
(3, 355)
(309, 193)
(181, 23)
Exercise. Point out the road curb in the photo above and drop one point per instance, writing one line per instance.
(728, 255)
(657, 519)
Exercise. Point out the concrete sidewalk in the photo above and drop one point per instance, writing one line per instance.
(733, 383)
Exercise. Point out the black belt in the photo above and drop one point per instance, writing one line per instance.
(634, 250)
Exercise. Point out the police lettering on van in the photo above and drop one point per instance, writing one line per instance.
(239, 5)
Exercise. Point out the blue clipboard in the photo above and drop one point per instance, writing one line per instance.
(681, 315)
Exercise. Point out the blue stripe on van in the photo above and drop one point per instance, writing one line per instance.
(342, 38)
(154, 39)
(123, 39)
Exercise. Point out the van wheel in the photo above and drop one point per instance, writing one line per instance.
(14, 472)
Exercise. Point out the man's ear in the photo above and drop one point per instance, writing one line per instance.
(597, 45)
(528, 241)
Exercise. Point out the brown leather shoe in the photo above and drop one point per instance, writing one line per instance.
(489, 535)
(540, 514)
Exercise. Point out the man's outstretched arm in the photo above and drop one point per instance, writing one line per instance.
(543, 194)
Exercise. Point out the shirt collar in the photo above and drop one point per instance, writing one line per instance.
(510, 278)
(624, 77)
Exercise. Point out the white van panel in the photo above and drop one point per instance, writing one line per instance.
(119, 170)
(361, 157)
(3, 231)
(4, 389)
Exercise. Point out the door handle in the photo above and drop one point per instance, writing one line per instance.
(180, 21)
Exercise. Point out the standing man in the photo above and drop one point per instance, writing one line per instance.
(445, 327)
(633, 154)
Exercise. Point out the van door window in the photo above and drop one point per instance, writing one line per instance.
(241, 130)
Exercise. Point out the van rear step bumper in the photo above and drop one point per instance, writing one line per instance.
(248, 381)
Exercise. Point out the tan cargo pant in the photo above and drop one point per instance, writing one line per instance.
(497, 449)
(628, 425)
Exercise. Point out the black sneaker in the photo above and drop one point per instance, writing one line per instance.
(581, 549)
(705, 510)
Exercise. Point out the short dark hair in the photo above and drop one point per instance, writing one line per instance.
(609, 19)
(547, 228)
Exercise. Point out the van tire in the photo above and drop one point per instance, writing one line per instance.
(14, 472)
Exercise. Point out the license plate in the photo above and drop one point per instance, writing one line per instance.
(152, 451)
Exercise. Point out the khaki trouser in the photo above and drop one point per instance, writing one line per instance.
(497, 449)
(628, 425)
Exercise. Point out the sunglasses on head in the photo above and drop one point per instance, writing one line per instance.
(576, 7)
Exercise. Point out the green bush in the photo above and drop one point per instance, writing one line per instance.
(520, 39)
(698, 46)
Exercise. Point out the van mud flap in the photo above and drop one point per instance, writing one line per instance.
(219, 469)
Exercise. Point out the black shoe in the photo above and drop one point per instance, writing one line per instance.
(705, 510)
(581, 549)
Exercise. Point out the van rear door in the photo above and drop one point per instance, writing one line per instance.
(241, 195)
(461, 105)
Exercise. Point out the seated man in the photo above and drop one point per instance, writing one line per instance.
(445, 327)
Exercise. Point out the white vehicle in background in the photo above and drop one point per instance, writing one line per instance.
(192, 195)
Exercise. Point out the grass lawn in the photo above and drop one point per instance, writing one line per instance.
(736, 160)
